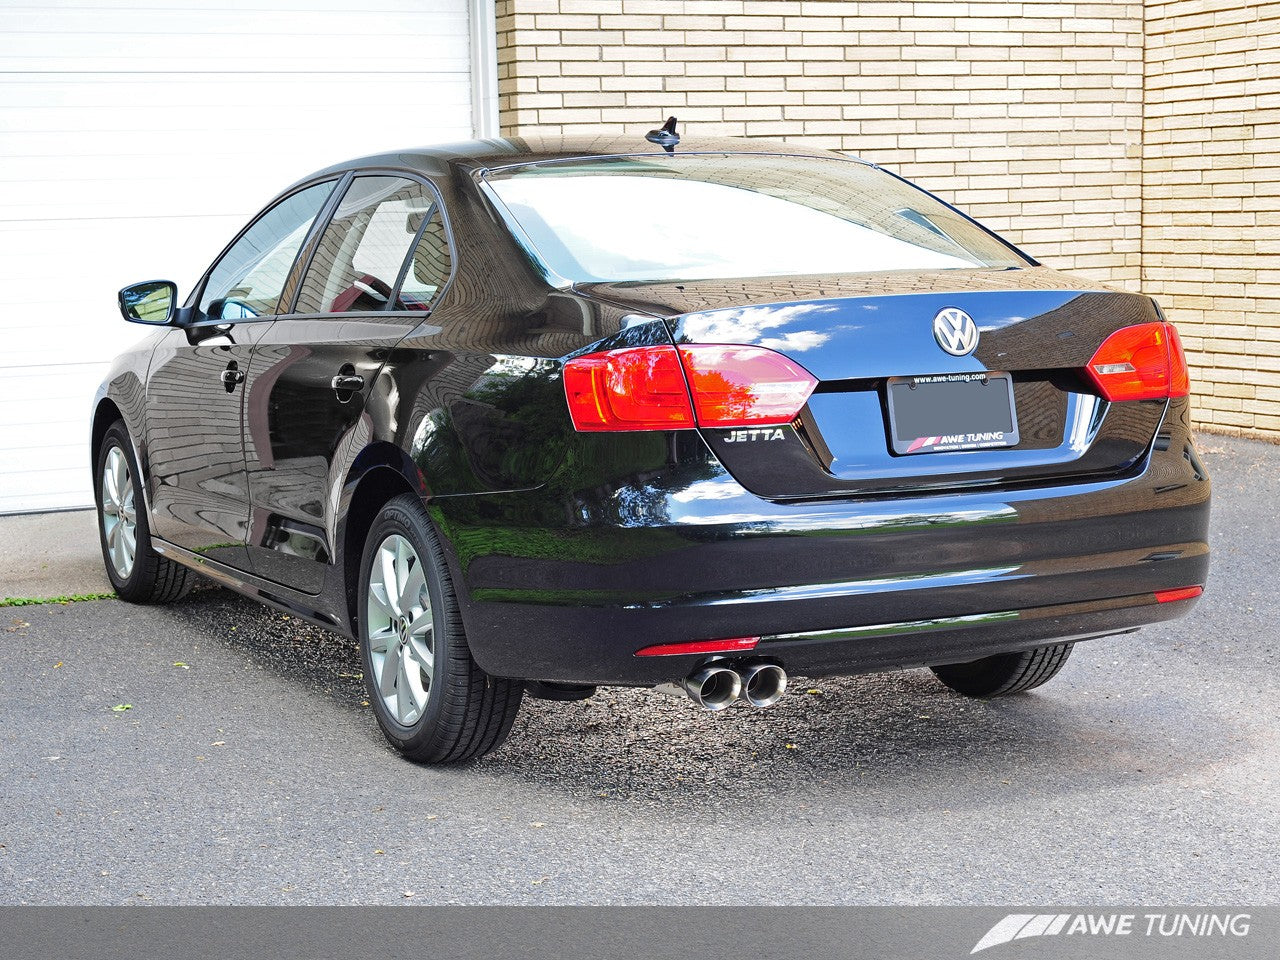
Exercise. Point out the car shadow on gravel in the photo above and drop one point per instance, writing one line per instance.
(295, 649)
(871, 733)
(876, 734)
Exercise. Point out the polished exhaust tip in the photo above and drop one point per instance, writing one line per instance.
(713, 688)
(763, 684)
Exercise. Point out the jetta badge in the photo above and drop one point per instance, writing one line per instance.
(955, 331)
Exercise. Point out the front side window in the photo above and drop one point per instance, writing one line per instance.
(248, 280)
(362, 262)
(703, 216)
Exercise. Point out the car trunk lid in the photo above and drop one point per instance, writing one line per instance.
(871, 343)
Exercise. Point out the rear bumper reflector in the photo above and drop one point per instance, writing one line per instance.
(1181, 593)
(733, 645)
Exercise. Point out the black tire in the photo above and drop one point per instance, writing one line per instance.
(1005, 673)
(467, 713)
(153, 578)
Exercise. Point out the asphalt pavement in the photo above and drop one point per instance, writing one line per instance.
(246, 768)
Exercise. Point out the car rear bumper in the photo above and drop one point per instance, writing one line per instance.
(569, 586)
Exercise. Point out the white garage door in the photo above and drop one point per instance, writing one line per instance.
(136, 136)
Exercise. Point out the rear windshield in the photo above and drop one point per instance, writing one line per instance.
(735, 215)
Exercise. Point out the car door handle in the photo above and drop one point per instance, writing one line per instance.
(347, 382)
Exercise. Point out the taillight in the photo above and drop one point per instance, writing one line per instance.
(1179, 375)
(1143, 362)
(641, 388)
(644, 388)
(739, 386)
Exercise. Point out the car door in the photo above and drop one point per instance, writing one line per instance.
(197, 484)
(373, 275)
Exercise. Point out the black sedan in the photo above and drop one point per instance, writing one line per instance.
(538, 416)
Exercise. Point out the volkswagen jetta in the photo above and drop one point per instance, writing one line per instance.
(536, 416)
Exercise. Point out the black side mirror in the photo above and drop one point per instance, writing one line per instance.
(152, 302)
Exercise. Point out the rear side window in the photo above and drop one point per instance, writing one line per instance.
(248, 280)
(363, 261)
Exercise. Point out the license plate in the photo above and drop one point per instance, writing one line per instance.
(965, 411)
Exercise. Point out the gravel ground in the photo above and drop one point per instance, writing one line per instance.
(248, 769)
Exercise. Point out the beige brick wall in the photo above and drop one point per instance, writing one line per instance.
(1211, 217)
(1031, 116)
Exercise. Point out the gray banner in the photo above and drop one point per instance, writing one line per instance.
(638, 933)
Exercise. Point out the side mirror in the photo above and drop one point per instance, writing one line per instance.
(152, 302)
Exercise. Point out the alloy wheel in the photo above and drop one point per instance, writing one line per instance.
(119, 515)
(401, 630)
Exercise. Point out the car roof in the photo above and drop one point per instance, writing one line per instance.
(506, 151)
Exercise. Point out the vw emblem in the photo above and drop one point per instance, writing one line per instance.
(955, 331)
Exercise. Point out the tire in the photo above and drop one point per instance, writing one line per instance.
(1005, 673)
(142, 576)
(433, 702)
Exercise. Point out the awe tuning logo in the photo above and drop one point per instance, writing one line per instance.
(1020, 926)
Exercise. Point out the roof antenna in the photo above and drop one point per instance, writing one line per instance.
(666, 137)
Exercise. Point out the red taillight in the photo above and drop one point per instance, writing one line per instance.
(1181, 593)
(1143, 362)
(734, 645)
(1179, 375)
(737, 386)
(644, 388)
(641, 388)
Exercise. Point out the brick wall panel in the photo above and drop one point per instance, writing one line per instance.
(1212, 206)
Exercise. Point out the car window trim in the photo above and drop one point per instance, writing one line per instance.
(448, 232)
(1031, 261)
(197, 293)
(408, 260)
(516, 229)
(307, 252)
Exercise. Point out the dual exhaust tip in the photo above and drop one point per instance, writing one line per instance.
(717, 686)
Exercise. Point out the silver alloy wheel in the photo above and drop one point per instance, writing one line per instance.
(401, 629)
(119, 515)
